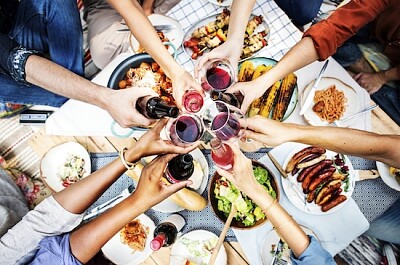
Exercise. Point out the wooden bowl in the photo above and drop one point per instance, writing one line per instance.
(214, 201)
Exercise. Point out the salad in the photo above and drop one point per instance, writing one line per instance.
(72, 170)
(247, 211)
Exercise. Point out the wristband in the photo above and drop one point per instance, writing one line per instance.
(285, 223)
(16, 63)
(269, 207)
(128, 165)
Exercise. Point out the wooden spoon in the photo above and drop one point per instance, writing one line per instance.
(221, 238)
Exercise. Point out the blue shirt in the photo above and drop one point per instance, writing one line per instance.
(55, 250)
(314, 254)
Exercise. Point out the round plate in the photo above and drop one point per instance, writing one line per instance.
(268, 61)
(168, 205)
(206, 20)
(352, 105)
(120, 253)
(221, 2)
(175, 35)
(312, 207)
(55, 158)
(271, 241)
(388, 178)
(180, 252)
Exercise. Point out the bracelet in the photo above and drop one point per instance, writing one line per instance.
(269, 207)
(285, 223)
(127, 164)
(16, 63)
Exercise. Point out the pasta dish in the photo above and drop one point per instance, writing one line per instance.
(329, 104)
(134, 234)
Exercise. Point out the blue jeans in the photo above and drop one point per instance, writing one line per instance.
(300, 12)
(53, 27)
(386, 226)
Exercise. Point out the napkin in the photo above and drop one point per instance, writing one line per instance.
(77, 118)
(335, 231)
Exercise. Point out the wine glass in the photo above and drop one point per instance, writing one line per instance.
(217, 74)
(222, 121)
(192, 101)
(185, 129)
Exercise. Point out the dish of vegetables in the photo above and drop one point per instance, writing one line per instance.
(222, 194)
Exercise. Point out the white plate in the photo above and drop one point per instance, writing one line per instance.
(175, 36)
(386, 176)
(223, 2)
(55, 158)
(312, 207)
(206, 20)
(271, 239)
(352, 105)
(180, 252)
(122, 254)
(168, 205)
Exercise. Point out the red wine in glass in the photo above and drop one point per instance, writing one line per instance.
(221, 154)
(193, 101)
(185, 130)
(225, 126)
(219, 78)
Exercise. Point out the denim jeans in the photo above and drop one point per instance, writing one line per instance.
(53, 27)
(386, 226)
(300, 12)
(388, 98)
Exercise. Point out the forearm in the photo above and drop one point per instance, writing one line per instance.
(88, 239)
(288, 228)
(55, 78)
(392, 74)
(240, 14)
(145, 33)
(79, 196)
(371, 146)
(302, 54)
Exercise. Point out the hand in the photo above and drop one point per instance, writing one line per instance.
(228, 50)
(267, 131)
(242, 175)
(248, 90)
(183, 81)
(151, 189)
(152, 144)
(121, 105)
(371, 82)
(148, 7)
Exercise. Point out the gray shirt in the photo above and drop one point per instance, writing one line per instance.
(19, 244)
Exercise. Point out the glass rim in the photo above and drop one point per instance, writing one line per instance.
(227, 63)
(197, 120)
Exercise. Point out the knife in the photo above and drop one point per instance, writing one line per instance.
(164, 28)
(310, 96)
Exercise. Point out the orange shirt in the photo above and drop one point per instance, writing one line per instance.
(331, 33)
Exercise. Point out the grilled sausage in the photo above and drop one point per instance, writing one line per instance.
(331, 195)
(311, 196)
(304, 172)
(311, 162)
(327, 189)
(334, 202)
(302, 154)
(322, 176)
(310, 175)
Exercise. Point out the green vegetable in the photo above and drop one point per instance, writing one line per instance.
(247, 211)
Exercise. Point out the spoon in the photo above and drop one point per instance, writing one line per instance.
(110, 203)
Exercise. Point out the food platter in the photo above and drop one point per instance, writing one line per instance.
(293, 189)
(211, 18)
(270, 243)
(53, 161)
(386, 176)
(271, 62)
(168, 205)
(175, 36)
(194, 246)
(120, 253)
(221, 2)
(352, 105)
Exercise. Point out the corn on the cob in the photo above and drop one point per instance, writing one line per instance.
(260, 70)
(268, 102)
(246, 71)
(285, 94)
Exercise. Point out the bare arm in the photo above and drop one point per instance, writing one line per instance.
(145, 33)
(55, 78)
(369, 145)
(148, 7)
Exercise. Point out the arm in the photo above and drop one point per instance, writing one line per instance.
(88, 239)
(369, 145)
(148, 7)
(232, 48)
(243, 178)
(145, 33)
